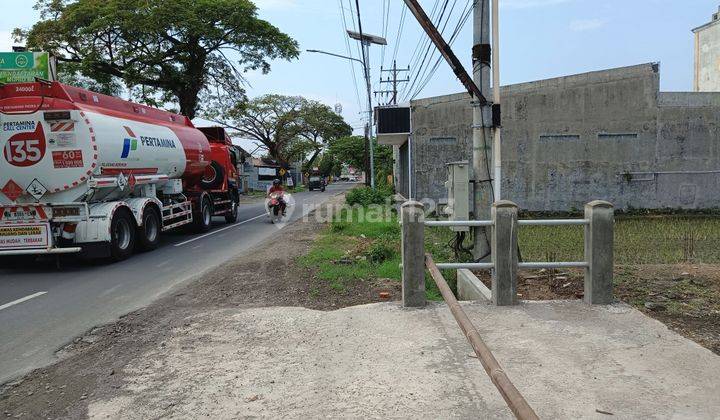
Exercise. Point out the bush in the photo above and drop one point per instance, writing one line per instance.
(366, 196)
(380, 252)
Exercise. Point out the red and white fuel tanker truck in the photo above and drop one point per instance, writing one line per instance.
(82, 172)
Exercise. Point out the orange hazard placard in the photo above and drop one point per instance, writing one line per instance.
(67, 159)
(12, 190)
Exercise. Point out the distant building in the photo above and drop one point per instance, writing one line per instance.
(263, 171)
(609, 135)
(707, 56)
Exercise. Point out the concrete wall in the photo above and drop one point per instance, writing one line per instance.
(607, 135)
(707, 57)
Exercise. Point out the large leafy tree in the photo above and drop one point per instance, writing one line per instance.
(320, 126)
(288, 128)
(163, 50)
(350, 150)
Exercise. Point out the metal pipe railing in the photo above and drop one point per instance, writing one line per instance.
(459, 223)
(515, 401)
(527, 222)
(553, 222)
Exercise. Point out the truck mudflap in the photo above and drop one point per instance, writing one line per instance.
(29, 239)
(27, 229)
(23, 236)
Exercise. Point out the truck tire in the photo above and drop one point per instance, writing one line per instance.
(232, 215)
(202, 220)
(122, 235)
(148, 235)
(214, 176)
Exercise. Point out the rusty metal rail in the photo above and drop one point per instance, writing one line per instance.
(512, 396)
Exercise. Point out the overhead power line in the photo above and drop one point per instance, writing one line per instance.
(348, 49)
(464, 17)
(421, 67)
(401, 26)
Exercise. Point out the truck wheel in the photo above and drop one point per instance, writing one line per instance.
(148, 235)
(232, 215)
(213, 177)
(202, 221)
(122, 235)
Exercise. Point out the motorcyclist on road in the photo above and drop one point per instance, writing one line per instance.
(280, 190)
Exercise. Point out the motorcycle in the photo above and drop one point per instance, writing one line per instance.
(274, 205)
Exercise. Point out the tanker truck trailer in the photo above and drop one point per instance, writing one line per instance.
(87, 173)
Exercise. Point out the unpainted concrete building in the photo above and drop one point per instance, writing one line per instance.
(609, 135)
(707, 55)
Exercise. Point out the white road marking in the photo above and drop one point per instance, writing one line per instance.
(220, 230)
(21, 300)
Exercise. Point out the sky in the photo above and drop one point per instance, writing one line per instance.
(539, 39)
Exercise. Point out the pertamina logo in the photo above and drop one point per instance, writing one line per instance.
(128, 143)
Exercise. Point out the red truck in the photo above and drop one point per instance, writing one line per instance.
(87, 173)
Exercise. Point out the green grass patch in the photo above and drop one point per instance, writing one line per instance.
(363, 244)
(379, 222)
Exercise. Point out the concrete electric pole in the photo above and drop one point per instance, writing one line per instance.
(485, 115)
(482, 124)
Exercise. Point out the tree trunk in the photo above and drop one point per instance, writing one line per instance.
(195, 68)
(188, 100)
(312, 159)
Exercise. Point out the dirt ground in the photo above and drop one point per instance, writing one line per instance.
(684, 297)
(93, 364)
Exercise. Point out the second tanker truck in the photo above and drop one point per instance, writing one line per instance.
(82, 172)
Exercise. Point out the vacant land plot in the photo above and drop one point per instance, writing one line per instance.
(666, 266)
(638, 240)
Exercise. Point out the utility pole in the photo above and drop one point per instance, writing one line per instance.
(485, 115)
(395, 81)
(482, 123)
(365, 42)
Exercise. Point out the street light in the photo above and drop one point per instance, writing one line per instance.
(366, 40)
(368, 134)
(335, 55)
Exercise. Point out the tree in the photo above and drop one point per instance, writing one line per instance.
(271, 120)
(320, 126)
(165, 50)
(288, 127)
(329, 165)
(351, 149)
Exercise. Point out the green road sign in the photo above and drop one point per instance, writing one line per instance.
(24, 66)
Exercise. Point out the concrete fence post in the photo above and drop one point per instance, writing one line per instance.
(412, 215)
(504, 253)
(599, 252)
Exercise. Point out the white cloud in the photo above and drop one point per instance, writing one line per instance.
(527, 4)
(6, 42)
(580, 25)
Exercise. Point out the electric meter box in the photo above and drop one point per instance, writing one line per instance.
(458, 189)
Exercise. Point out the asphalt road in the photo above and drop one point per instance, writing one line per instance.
(42, 308)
